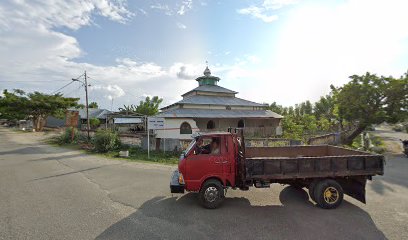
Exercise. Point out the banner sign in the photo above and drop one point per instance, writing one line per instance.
(155, 123)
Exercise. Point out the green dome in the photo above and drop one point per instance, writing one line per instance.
(207, 79)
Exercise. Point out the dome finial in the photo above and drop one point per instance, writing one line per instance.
(207, 71)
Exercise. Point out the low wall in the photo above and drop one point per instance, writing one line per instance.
(330, 139)
(270, 142)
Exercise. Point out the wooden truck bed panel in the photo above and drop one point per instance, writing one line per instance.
(320, 162)
(300, 151)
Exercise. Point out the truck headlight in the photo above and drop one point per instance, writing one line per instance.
(181, 179)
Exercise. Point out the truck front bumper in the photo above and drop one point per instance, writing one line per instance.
(175, 186)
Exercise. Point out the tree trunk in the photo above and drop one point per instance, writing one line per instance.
(354, 134)
(38, 122)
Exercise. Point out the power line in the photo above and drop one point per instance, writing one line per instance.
(30, 81)
(66, 85)
(76, 89)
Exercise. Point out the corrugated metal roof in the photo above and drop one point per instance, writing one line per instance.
(218, 100)
(210, 88)
(127, 120)
(217, 113)
(93, 113)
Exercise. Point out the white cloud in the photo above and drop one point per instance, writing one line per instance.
(109, 91)
(163, 7)
(258, 12)
(71, 14)
(185, 6)
(180, 8)
(263, 12)
(32, 50)
(186, 71)
(181, 26)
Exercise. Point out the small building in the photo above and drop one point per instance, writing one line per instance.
(127, 123)
(210, 107)
(101, 114)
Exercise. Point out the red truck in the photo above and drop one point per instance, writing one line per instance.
(327, 171)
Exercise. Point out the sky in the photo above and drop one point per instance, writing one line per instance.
(283, 51)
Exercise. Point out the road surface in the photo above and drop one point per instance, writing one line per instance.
(48, 192)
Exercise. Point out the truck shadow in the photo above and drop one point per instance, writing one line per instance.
(297, 218)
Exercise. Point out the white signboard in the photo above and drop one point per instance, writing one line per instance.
(155, 123)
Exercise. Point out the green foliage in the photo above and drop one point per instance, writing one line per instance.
(106, 140)
(39, 106)
(369, 99)
(150, 106)
(137, 153)
(127, 109)
(93, 105)
(94, 122)
(291, 129)
(66, 137)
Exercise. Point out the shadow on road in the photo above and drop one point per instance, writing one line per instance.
(25, 150)
(68, 173)
(61, 157)
(296, 218)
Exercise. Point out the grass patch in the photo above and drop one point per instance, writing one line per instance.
(136, 154)
(376, 142)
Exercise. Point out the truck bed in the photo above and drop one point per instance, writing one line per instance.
(279, 163)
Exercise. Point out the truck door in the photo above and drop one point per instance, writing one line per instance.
(204, 162)
(228, 159)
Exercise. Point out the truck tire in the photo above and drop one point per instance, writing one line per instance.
(211, 194)
(328, 194)
(312, 188)
(296, 185)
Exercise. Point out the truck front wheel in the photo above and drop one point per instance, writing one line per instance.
(328, 194)
(211, 194)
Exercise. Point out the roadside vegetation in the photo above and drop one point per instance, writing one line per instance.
(107, 143)
(351, 109)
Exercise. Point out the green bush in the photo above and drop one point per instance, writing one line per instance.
(94, 122)
(106, 140)
(66, 136)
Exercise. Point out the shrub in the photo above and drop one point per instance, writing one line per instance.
(94, 122)
(66, 136)
(106, 140)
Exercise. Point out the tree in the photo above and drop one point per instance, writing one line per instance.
(93, 105)
(369, 99)
(150, 106)
(7, 108)
(308, 107)
(127, 109)
(276, 108)
(36, 105)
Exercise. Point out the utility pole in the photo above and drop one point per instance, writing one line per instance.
(88, 126)
(87, 108)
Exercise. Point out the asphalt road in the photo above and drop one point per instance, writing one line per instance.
(48, 192)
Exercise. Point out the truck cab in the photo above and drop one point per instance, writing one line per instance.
(209, 156)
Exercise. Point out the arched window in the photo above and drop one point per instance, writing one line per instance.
(185, 128)
(211, 124)
(241, 123)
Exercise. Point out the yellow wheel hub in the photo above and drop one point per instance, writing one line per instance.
(331, 195)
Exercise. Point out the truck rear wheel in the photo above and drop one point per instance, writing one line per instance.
(211, 194)
(328, 194)
(312, 188)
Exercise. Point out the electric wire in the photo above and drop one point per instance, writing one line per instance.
(66, 85)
